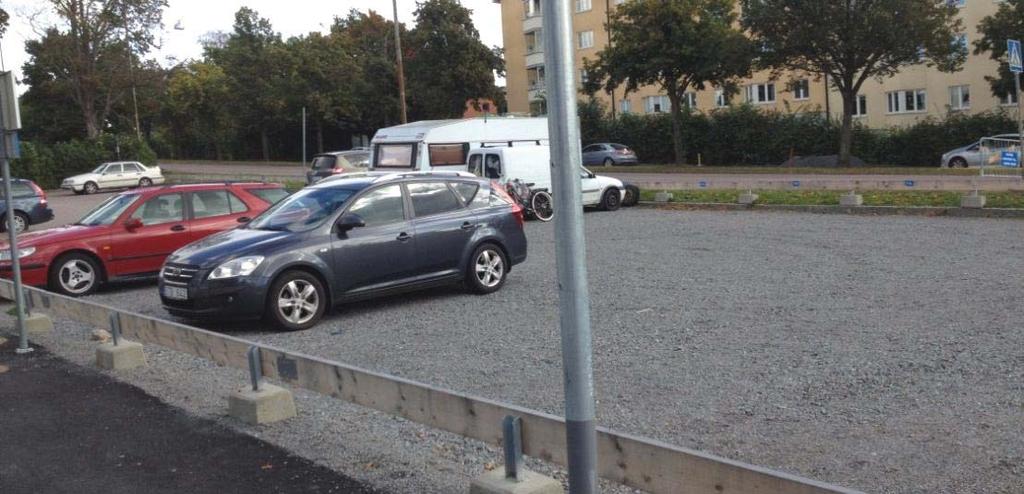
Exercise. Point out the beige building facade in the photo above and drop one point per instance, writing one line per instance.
(914, 93)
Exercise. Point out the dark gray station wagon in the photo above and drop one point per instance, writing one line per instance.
(348, 239)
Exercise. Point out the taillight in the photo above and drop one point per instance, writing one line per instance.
(39, 192)
(517, 210)
(336, 171)
(517, 213)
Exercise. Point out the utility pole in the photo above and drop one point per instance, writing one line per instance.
(131, 71)
(303, 135)
(570, 248)
(398, 59)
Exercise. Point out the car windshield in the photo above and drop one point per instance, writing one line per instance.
(303, 210)
(108, 211)
(325, 162)
(99, 169)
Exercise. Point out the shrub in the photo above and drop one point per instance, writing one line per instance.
(49, 165)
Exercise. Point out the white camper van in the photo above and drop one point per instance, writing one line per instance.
(532, 164)
(445, 144)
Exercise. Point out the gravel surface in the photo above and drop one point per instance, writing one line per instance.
(878, 353)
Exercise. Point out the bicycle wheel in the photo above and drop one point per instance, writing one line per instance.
(542, 205)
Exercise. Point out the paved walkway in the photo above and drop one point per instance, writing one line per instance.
(67, 429)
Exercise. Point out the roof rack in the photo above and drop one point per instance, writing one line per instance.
(438, 173)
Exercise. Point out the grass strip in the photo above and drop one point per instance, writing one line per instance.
(1008, 200)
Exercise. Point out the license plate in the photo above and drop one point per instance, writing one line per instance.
(176, 292)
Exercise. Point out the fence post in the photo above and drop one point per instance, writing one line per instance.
(259, 402)
(119, 354)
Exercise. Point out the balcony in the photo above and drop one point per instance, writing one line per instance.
(532, 23)
(535, 58)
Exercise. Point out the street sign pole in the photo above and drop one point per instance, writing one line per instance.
(10, 122)
(1015, 59)
(570, 248)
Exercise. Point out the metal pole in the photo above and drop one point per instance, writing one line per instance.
(570, 248)
(398, 59)
(131, 72)
(12, 238)
(303, 134)
(1020, 122)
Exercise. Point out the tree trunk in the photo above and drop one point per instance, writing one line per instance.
(846, 131)
(92, 125)
(678, 145)
(265, 144)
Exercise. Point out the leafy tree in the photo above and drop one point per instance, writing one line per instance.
(677, 45)
(1007, 23)
(88, 52)
(853, 41)
(447, 63)
(375, 87)
(321, 72)
(195, 111)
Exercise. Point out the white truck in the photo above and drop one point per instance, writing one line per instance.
(532, 164)
(445, 144)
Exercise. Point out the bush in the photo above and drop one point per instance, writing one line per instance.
(49, 165)
(744, 135)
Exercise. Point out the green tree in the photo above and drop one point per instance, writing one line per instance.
(321, 74)
(1007, 23)
(195, 112)
(447, 63)
(851, 42)
(678, 45)
(87, 54)
(375, 88)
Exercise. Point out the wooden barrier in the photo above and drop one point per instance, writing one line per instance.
(630, 460)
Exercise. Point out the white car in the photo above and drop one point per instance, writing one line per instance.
(114, 175)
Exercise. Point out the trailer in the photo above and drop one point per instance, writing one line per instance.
(445, 144)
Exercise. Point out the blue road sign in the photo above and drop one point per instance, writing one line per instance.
(908, 183)
(795, 183)
(1014, 56)
(1011, 159)
(702, 184)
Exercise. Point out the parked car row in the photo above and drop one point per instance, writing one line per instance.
(115, 175)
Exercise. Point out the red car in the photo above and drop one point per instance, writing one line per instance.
(129, 235)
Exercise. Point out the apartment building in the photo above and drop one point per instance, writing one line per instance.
(914, 93)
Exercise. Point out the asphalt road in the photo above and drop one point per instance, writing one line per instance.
(679, 181)
(69, 208)
(879, 353)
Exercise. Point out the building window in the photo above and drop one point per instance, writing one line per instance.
(531, 8)
(907, 101)
(585, 39)
(1010, 99)
(761, 93)
(535, 77)
(961, 43)
(690, 99)
(656, 104)
(802, 89)
(721, 100)
(959, 97)
(534, 42)
(582, 5)
(626, 106)
(860, 106)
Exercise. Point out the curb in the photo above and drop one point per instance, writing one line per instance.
(856, 210)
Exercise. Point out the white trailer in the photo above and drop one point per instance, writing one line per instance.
(445, 144)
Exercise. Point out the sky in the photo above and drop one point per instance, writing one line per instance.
(198, 17)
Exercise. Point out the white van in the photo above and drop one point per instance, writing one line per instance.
(532, 164)
(445, 144)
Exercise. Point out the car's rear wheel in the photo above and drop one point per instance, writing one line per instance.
(612, 199)
(21, 222)
(74, 274)
(297, 301)
(608, 162)
(958, 163)
(632, 196)
(145, 182)
(487, 269)
(91, 188)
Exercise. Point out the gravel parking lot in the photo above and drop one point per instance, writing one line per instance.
(879, 353)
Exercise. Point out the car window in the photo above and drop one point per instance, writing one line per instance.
(382, 206)
(619, 147)
(395, 155)
(208, 203)
(432, 198)
(271, 196)
(323, 162)
(475, 162)
(132, 167)
(591, 148)
(466, 190)
(303, 210)
(237, 205)
(108, 211)
(18, 189)
(112, 169)
(160, 209)
(492, 166)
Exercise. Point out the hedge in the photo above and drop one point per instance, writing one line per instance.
(48, 165)
(745, 136)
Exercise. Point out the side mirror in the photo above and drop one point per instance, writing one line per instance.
(349, 221)
(244, 219)
(133, 224)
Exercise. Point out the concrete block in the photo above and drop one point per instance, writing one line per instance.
(269, 404)
(748, 198)
(38, 324)
(851, 200)
(663, 197)
(125, 355)
(972, 201)
(494, 482)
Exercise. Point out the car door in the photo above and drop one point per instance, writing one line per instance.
(132, 174)
(212, 211)
(590, 187)
(591, 154)
(380, 254)
(443, 227)
(112, 176)
(161, 229)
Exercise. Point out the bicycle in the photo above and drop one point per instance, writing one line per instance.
(537, 203)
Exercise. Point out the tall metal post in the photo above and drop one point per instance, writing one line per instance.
(6, 147)
(398, 59)
(570, 247)
(1020, 121)
(303, 135)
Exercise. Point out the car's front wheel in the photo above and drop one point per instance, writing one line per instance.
(612, 199)
(958, 163)
(91, 188)
(487, 269)
(145, 182)
(297, 301)
(75, 274)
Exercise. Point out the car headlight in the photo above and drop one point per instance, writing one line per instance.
(5, 255)
(243, 266)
